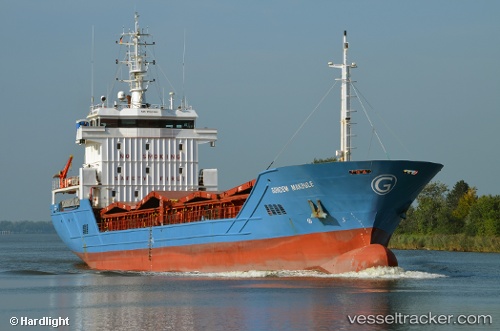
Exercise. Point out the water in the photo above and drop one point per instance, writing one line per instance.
(40, 278)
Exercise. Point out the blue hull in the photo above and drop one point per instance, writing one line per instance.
(286, 202)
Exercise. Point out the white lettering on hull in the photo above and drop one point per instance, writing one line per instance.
(292, 187)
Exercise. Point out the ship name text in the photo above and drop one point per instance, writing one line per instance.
(292, 187)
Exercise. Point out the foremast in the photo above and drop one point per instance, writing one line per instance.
(344, 154)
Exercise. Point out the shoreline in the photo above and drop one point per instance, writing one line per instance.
(446, 242)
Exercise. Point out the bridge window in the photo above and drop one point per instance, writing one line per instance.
(147, 123)
(127, 123)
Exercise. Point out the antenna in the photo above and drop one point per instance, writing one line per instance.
(183, 73)
(92, 70)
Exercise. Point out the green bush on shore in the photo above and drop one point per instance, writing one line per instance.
(455, 220)
(447, 242)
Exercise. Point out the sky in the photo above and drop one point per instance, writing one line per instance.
(428, 77)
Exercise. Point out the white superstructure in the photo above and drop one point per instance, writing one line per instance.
(133, 147)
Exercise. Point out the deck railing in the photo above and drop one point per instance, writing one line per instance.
(67, 182)
(150, 218)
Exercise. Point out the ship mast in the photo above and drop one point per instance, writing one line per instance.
(138, 65)
(344, 154)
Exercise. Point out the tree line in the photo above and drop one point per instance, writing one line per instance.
(26, 227)
(460, 210)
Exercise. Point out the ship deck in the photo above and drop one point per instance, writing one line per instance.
(173, 207)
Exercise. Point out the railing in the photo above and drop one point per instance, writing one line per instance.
(67, 182)
(145, 219)
(95, 108)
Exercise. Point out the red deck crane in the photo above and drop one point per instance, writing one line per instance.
(63, 173)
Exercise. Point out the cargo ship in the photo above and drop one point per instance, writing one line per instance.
(140, 202)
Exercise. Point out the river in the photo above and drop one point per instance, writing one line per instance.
(41, 282)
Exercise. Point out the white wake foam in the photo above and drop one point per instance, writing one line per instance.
(389, 273)
(371, 273)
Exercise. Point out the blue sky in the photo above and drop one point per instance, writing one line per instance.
(255, 70)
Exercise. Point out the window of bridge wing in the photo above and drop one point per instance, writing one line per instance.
(109, 122)
(177, 124)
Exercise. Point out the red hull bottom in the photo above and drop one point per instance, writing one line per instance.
(331, 252)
